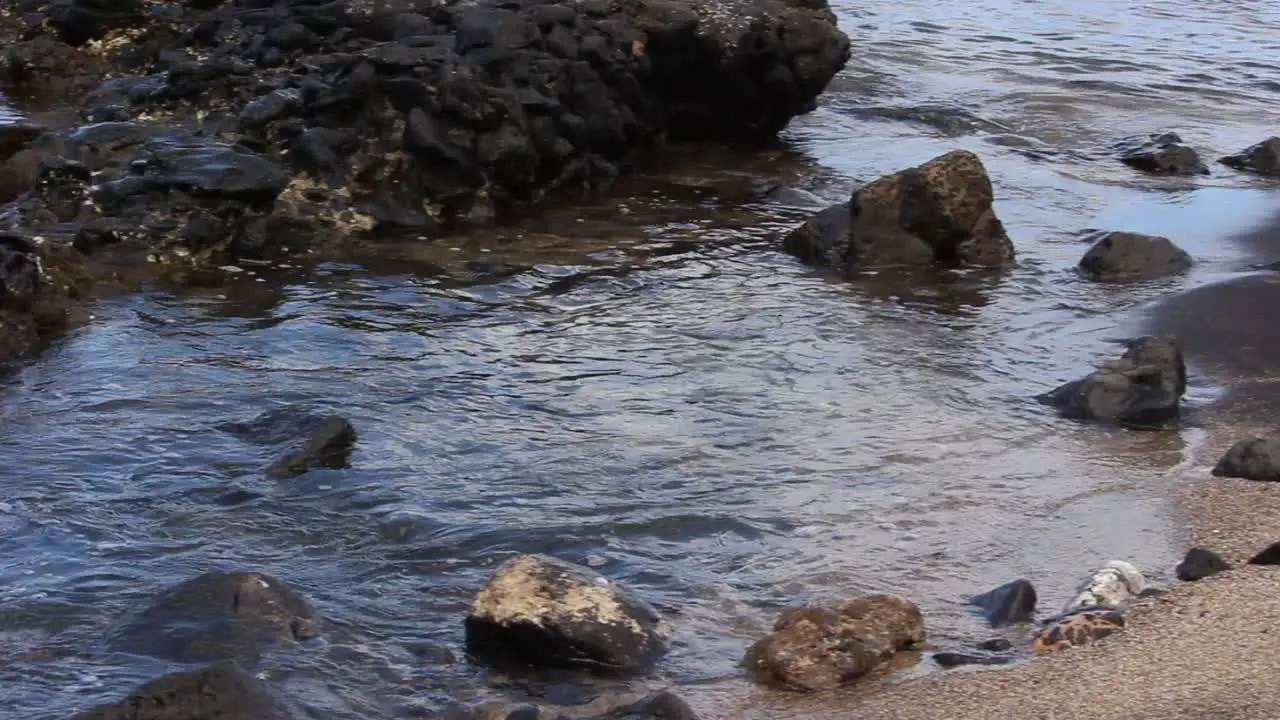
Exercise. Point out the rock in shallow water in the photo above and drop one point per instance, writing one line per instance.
(1142, 389)
(547, 611)
(219, 692)
(813, 648)
(313, 440)
(217, 616)
(1263, 158)
(1012, 602)
(1119, 256)
(1199, 564)
(1114, 585)
(1253, 459)
(1163, 154)
(939, 212)
(1081, 626)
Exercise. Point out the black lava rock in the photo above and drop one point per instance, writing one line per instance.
(1253, 459)
(1199, 564)
(1163, 154)
(1012, 602)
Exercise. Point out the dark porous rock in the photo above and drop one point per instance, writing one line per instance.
(546, 611)
(1162, 154)
(1118, 256)
(662, 705)
(39, 286)
(1268, 556)
(217, 616)
(956, 659)
(1142, 389)
(1252, 459)
(222, 691)
(814, 648)
(17, 136)
(1263, 158)
(1199, 564)
(939, 212)
(312, 440)
(1012, 602)
(995, 645)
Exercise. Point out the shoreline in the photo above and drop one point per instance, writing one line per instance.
(1199, 650)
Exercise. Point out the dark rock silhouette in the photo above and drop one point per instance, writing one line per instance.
(1162, 154)
(1199, 564)
(1252, 459)
(1142, 389)
(1120, 256)
(1010, 603)
(222, 691)
(1263, 158)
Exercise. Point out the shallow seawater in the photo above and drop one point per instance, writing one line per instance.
(650, 386)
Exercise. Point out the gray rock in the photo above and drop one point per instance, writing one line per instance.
(1143, 388)
(1010, 603)
(1199, 564)
(939, 212)
(547, 611)
(1163, 154)
(1118, 256)
(218, 692)
(308, 440)
(217, 616)
(1253, 459)
(1263, 158)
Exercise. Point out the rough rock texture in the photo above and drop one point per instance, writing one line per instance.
(311, 440)
(39, 284)
(1142, 389)
(546, 611)
(1118, 256)
(1081, 626)
(1263, 158)
(1163, 154)
(938, 212)
(1252, 459)
(1114, 585)
(813, 648)
(217, 616)
(222, 691)
(1010, 603)
(1200, 564)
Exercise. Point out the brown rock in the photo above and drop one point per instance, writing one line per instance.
(1081, 626)
(814, 648)
(938, 212)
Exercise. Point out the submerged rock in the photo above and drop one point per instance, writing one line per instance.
(939, 212)
(1010, 603)
(1118, 256)
(1253, 459)
(658, 706)
(1199, 564)
(1162, 154)
(1113, 585)
(957, 659)
(39, 286)
(1081, 626)
(217, 616)
(222, 691)
(1263, 158)
(813, 648)
(1143, 388)
(547, 611)
(313, 440)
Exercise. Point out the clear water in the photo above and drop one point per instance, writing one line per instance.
(650, 386)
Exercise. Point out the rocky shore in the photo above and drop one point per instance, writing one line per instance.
(206, 133)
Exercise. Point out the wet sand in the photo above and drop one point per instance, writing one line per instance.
(1203, 650)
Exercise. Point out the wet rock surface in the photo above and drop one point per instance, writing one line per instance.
(1142, 389)
(815, 648)
(221, 131)
(1161, 154)
(1120, 256)
(1078, 627)
(1199, 564)
(217, 616)
(938, 212)
(309, 440)
(39, 286)
(223, 691)
(957, 659)
(1263, 158)
(1252, 459)
(1010, 603)
(546, 611)
(1115, 585)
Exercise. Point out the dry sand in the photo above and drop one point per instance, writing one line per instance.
(1205, 650)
